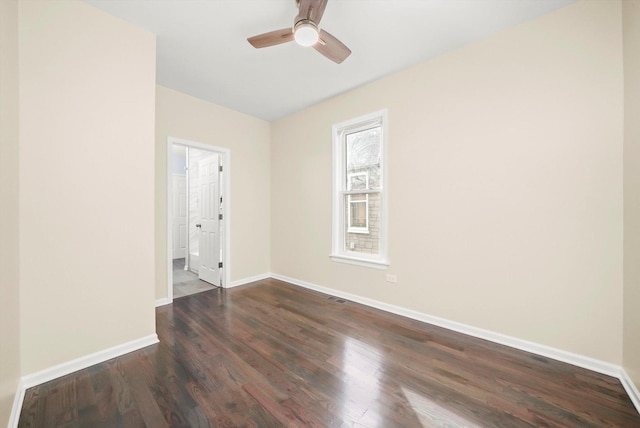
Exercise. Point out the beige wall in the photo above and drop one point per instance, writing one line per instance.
(185, 117)
(631, 35)
(505, 184)
(9, 222)
(87, 99)
(515, 143)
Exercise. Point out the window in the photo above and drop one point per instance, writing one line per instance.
(359, 193)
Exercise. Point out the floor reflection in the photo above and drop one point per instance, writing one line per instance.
(370, 377)
(361, 372)
(431, 414)
(271, 354)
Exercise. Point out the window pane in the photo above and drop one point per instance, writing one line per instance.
(362, 225)
(363, 159)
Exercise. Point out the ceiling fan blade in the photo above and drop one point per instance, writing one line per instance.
(331, 47)
(312, 10)
(316, 14)
(271, 38)
(304, 7)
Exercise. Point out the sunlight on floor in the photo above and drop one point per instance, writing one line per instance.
(360, 368)
(431, 414)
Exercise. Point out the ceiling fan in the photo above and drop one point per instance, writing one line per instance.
(306, 33)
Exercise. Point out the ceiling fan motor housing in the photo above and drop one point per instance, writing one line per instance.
(306, 32)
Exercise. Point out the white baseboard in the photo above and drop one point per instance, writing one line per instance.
(578, 360)
(236, 283)
(163, 301)
(243, 281)
(88, 360)
(513, 342)
(631, 389)
(14, 417)
(63, 369)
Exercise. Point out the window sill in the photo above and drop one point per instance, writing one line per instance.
(375, 264)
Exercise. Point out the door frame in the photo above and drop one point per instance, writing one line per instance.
(225, 193)
(186, 179)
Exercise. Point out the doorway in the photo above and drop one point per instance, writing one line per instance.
(197, 211)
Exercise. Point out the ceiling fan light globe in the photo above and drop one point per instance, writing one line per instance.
(306, 34)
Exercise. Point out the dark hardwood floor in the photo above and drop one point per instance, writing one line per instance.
(273, 354)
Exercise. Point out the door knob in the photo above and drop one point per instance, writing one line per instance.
(198, 225)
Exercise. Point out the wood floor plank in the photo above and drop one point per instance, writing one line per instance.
(107, 408)
(33, 413)
(59, 407)
(149, 409)
(271, 354)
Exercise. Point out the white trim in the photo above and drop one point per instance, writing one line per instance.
(247, 280)
(338, 222)
(513, 342)
(59, 370)
(175, 175)
(588, 363)
(630, 387)
(88, 360)
(14, 417)
(162, 302)
(187, 257)
(72, 366)
(376, 264)
(169, 226)
(225, 162)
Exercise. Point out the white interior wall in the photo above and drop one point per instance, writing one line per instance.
(87, 96)
(631, 27)
(9, 213)
(505, 184)
(471, 152)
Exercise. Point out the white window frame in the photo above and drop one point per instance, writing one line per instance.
(340, 190)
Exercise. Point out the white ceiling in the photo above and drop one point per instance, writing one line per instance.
(202, 48)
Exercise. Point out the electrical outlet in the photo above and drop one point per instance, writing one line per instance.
(392, 278)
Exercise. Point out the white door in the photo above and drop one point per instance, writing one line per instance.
(209, 219)
(179, 216)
